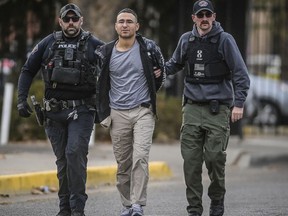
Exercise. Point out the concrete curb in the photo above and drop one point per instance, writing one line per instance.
(253, 160)
(96, 176)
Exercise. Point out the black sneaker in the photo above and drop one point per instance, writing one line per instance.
(194, 213)
(64, 213)
(217, 207)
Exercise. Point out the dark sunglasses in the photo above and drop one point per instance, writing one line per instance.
(67, 19)
(207, 14)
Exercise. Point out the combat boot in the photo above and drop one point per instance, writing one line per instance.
(217, 207)
(194, 214)
(64, 213)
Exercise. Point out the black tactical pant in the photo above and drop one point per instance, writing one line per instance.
(70, 141)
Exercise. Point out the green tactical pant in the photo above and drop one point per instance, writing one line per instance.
(204, 137)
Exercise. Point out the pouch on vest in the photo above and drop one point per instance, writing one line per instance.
(66, 75)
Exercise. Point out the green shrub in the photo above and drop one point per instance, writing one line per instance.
(169, 111)
(23, 129)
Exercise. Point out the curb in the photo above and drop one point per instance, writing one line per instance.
(96, 176)
(253, 160)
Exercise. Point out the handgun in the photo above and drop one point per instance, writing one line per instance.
(38, 110)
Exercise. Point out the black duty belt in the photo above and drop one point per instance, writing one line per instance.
(57, 105)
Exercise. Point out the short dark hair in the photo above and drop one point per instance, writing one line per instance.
(128, 10)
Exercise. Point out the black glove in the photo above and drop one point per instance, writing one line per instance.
(24, 109)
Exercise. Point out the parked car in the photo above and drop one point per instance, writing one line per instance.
(267, 102)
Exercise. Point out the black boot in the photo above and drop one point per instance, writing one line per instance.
(77, 213)
(217, 207)
(64, 213)
(194, 214)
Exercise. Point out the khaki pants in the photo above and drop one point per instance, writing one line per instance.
(131, 133)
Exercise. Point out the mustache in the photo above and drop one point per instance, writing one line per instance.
(205, 22)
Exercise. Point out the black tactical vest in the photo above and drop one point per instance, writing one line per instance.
(67, 66)
(205, 64)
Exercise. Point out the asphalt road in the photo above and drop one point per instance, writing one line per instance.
(260, 189)
(250, 192)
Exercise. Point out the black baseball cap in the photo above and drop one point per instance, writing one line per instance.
(201, 5)
(70, 7)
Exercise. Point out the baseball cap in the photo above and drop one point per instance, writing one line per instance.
(70, 7)
(202, 5)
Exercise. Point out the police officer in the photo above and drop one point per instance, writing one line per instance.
(67, 61)
(216, 85)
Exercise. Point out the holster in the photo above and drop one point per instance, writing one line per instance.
(214, 107)
(39, 111)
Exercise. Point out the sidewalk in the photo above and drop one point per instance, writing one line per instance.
(29, 165)
(24, 166)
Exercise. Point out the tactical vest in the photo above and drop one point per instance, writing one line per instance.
(67, 66)
(205, 63)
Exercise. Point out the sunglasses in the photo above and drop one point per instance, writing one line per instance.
(67, 19)
(207, 14)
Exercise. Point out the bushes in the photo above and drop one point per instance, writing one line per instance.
(167, 126)
(23, 129)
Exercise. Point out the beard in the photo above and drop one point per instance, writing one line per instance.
(126, 36)
(71, 31)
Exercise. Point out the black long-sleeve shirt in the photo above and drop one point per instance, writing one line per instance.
(36, 61)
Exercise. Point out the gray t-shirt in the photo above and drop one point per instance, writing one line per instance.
(129, 86)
